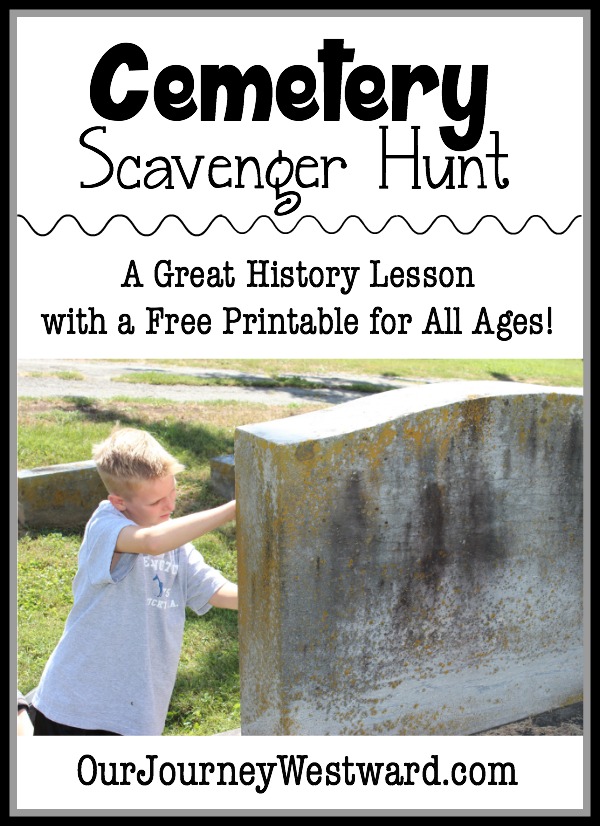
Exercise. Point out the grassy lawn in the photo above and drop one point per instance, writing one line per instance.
(559, 372)
(156, 377)
(54, 431)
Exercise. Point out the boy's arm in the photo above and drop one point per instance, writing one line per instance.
(158, 539)
(226, 597)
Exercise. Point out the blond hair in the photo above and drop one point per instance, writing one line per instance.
(130, 456)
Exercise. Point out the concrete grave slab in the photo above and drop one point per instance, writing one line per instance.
(59, 495)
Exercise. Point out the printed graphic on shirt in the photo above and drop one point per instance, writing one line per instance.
(166, 571)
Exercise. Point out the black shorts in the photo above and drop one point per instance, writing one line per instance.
(43, 726)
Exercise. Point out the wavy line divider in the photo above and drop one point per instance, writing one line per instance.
(303, 218)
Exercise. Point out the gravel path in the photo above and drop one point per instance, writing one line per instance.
(38, 378)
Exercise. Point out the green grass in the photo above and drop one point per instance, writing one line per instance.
(47, 563)
(67, 375)
(559, 372)
(64, 429)
(58, 436)
(155, 377)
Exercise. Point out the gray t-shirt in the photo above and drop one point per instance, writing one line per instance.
(115, 665)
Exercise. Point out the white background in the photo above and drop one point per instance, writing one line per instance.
(548, 772)
(534, 101)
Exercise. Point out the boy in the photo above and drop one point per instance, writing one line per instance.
(114, 668)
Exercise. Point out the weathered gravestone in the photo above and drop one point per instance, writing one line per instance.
(411, 563)
(59, 496)
(222, 475)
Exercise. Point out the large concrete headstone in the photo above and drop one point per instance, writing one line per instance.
(412, 563)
